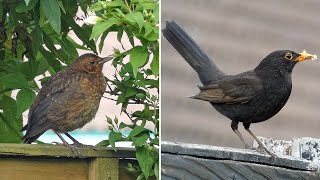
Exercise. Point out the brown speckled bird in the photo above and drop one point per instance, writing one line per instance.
(68, 100)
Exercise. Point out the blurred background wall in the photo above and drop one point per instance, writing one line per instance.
(237, 35)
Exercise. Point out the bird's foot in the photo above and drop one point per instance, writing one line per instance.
(73, 148)
(80, 145)
(247, 146)
(263, 150)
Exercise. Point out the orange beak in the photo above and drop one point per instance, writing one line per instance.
(305, 56)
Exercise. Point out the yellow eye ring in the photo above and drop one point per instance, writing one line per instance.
(288, 56)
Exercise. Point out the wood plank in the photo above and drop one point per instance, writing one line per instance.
(188, 167)
(103, 168)
(242, 155)
(7, 149)
(44, 169)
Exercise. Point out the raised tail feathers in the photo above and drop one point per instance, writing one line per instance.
(192, 53)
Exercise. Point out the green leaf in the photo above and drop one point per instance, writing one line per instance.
(25, 7)
(140, 139)
(156, 13)
(103, 37)
(50, 45)
(103, 143)
(61, 6)
(130, 35)
(114, 137)
(154, 35)
(83, 33)
(148, 5)
(25, 98)
(102, 26)
(10, 127)
(52, 11)
(155, 141)
(135, 18)
(116, 3)
(148, 28)
(96, 7)
(29, 69)
(122, 125)
(9, 106)
(43, 64)
(131, 92)
(155, 62)
(37, 40)
(119, 35)
(137, 130)
(156, 170)
(69, 50)
(51, 60)
(146, 157)
(138, 57)
(71, 7)
(14, 81)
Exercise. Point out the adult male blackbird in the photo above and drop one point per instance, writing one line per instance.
(68, 100)
(249, 97)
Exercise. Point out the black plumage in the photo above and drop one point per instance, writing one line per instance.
(249, 97)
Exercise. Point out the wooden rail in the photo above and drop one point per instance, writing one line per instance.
(192, 161)
(53, 162)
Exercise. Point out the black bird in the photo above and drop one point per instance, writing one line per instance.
(249, 97)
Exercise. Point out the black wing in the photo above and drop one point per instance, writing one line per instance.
(232, 89)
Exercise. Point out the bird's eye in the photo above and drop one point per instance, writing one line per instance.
(288, 56)
(92, 62)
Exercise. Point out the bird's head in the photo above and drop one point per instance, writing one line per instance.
(284, 60)
(90, 63)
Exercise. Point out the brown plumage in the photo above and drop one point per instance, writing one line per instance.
(68, 100)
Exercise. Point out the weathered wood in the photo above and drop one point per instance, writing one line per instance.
(51, 162)
(103, 168)
(188, 167)
(49, 169)
(306, 147)
(58, 150)
(192, 161)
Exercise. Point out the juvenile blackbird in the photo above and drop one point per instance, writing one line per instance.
(68, 100)
(249, 97)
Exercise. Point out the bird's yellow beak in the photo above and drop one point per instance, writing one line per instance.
(306, 56)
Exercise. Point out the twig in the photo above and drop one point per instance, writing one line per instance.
(134, 102)
(133, 121)
(128, 5)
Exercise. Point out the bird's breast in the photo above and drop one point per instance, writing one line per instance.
(93, 87)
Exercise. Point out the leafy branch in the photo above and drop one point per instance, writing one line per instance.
(136, 80)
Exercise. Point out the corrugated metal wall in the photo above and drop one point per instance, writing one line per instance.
(237, 35)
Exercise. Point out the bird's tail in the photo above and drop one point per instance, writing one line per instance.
(192, 53)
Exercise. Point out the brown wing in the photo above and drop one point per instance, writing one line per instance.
(37, 119)
(232, 89)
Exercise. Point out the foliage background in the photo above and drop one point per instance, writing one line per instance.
(35, 40)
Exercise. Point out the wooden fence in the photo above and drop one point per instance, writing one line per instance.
(192, 161)
(55, 162)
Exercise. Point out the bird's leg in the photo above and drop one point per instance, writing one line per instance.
(234, 126)
(261, 146)
(65, 143)
(77, 143)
